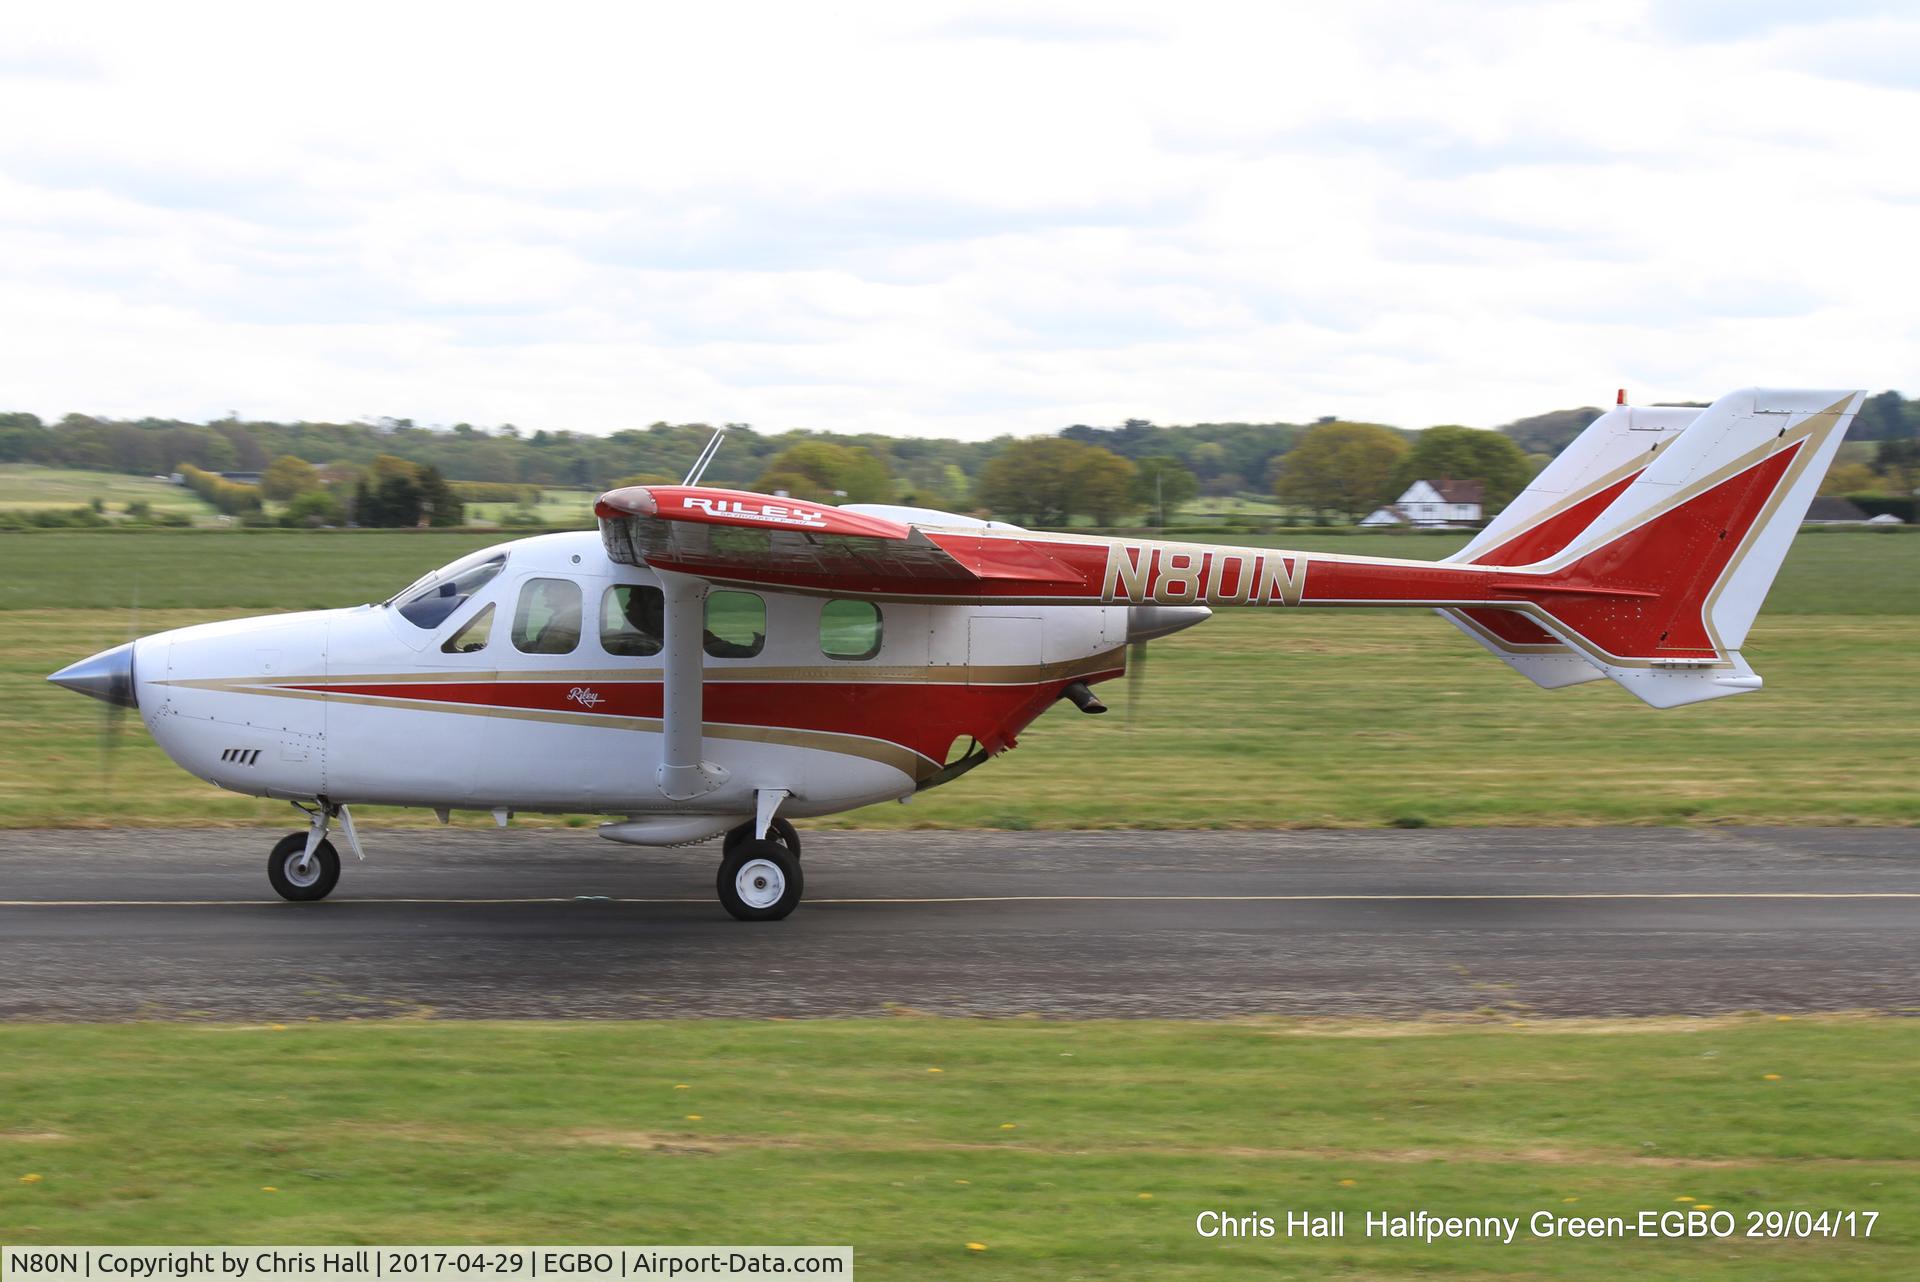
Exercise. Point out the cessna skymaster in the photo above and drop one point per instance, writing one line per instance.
(714, 663)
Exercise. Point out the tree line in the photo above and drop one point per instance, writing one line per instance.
(396, 472)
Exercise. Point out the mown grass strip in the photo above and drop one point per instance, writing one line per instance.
(912, 1137)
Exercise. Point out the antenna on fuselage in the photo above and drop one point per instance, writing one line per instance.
(706, 456)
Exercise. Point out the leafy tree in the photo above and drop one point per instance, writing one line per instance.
(1551, 432)
(1899, 462)
(288, 476)
(1133, 439)
(1048, 480)
(1344, 469)
(201, 446)
(1849, 478)
(1466, 454)
(438, 503)
(389, 501)
(932, 483)
(1221, 455)
(313, 508)
(1886, 417)
(1209, 461)
(954, 485)
(387, 466)
(795, 484)
(1107, 486)
(397, 501)
(24, 439)
(826, 473)
(232, 498)
(1161, 484)
(401, 495)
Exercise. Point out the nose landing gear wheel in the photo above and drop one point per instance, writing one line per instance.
(780, 830)
(759, 881)
(296, 877)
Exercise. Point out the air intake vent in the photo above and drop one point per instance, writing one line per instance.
(241, 756)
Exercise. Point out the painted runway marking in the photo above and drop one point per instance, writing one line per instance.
(1024, 899)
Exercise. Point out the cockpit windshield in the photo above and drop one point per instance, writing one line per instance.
(428, 601)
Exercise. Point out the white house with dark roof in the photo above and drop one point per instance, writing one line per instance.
(1429, 503)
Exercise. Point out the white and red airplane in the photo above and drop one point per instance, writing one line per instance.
(718, 662)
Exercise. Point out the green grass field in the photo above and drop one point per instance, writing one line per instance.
(1252, 720)
(1067, 1150)
(558, 508)
(24, 486)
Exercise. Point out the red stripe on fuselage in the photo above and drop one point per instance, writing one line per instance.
(924, 717)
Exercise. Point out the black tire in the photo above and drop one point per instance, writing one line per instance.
(289, 883)
(759, 881)
(783, 832)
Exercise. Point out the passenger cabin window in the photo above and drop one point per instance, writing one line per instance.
(472, 638)
(430, 602)
(632, 620)
(736, 624)
(547, 619)
(850, 629)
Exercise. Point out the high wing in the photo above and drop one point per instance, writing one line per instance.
(732, 536)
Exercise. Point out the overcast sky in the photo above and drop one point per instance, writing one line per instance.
(951, 219)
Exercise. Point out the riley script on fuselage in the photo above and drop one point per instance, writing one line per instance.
(712, 662)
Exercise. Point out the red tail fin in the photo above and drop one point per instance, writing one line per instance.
(1660, 591)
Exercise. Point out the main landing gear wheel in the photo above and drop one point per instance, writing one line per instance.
(781, 831)
(296, 877)
(759, 881)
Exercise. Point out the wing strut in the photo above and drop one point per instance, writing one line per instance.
(684, 773)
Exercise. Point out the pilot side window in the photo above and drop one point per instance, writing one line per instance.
(446, 590)
(736, 624)
(632, 620)
(472, 638)
(547, 619)
(849, 629)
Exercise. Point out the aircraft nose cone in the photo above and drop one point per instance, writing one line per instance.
(107, 676)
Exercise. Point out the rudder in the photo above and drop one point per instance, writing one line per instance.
(1661, 589)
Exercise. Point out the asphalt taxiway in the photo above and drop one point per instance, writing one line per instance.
(551, 923)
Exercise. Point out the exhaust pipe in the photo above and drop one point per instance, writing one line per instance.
(1082, 698)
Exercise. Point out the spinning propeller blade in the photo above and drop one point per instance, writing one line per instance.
(1144, 624)
(1136, 678)
(114, 714)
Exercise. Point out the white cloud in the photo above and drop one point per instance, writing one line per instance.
(949, 219)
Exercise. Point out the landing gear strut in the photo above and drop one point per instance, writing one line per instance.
(298, 874)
